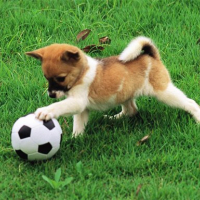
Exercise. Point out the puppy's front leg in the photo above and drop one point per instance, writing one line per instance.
(80, 121)
(67, 107)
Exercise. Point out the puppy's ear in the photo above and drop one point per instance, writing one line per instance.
(35, 54)
(70, 56)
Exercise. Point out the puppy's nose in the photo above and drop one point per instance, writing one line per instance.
(52, 94)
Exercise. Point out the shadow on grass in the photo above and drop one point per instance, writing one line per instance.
(107, 137)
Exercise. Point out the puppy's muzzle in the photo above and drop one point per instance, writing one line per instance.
(52, 94)
(56, 94)
(55, 90)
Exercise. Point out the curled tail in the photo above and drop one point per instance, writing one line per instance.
(138, 46)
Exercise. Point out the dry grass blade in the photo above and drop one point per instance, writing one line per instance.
(138, 189)
(65, 122)
(83, 34)
(104, 40)
(93, 48)
(143, 140)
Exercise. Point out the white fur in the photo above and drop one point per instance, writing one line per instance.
(111, 102)
(133, 50)
(80, 120)
(174, 97)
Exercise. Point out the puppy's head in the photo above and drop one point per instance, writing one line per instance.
(62, 66)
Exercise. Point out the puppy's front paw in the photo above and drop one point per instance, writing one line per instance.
(44, 113)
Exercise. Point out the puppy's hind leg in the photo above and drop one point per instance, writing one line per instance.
(79, 122)
(174, 97)
(129, 108)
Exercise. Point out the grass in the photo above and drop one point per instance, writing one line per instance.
(112, 165)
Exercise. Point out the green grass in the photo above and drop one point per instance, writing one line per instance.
(113, 166)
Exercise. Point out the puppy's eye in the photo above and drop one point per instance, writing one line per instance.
(60, 79)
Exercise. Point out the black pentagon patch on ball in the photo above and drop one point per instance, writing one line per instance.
(45, 148)
(24, 132)
(49, 124)
(21, 154)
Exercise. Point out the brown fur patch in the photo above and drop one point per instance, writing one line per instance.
(159, 76)
(124, 79)
(113, 75)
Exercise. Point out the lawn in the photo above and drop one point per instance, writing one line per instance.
(106, 163)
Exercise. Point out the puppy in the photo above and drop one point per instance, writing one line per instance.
(99, 84)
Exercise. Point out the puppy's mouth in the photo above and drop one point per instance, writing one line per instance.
(57, 94)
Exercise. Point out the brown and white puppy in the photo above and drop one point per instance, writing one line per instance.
(91, 84)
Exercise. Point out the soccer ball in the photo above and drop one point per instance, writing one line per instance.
(33, 139)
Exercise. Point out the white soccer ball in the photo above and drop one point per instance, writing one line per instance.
(33, 139)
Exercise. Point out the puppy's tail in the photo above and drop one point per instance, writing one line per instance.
(138, 46)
